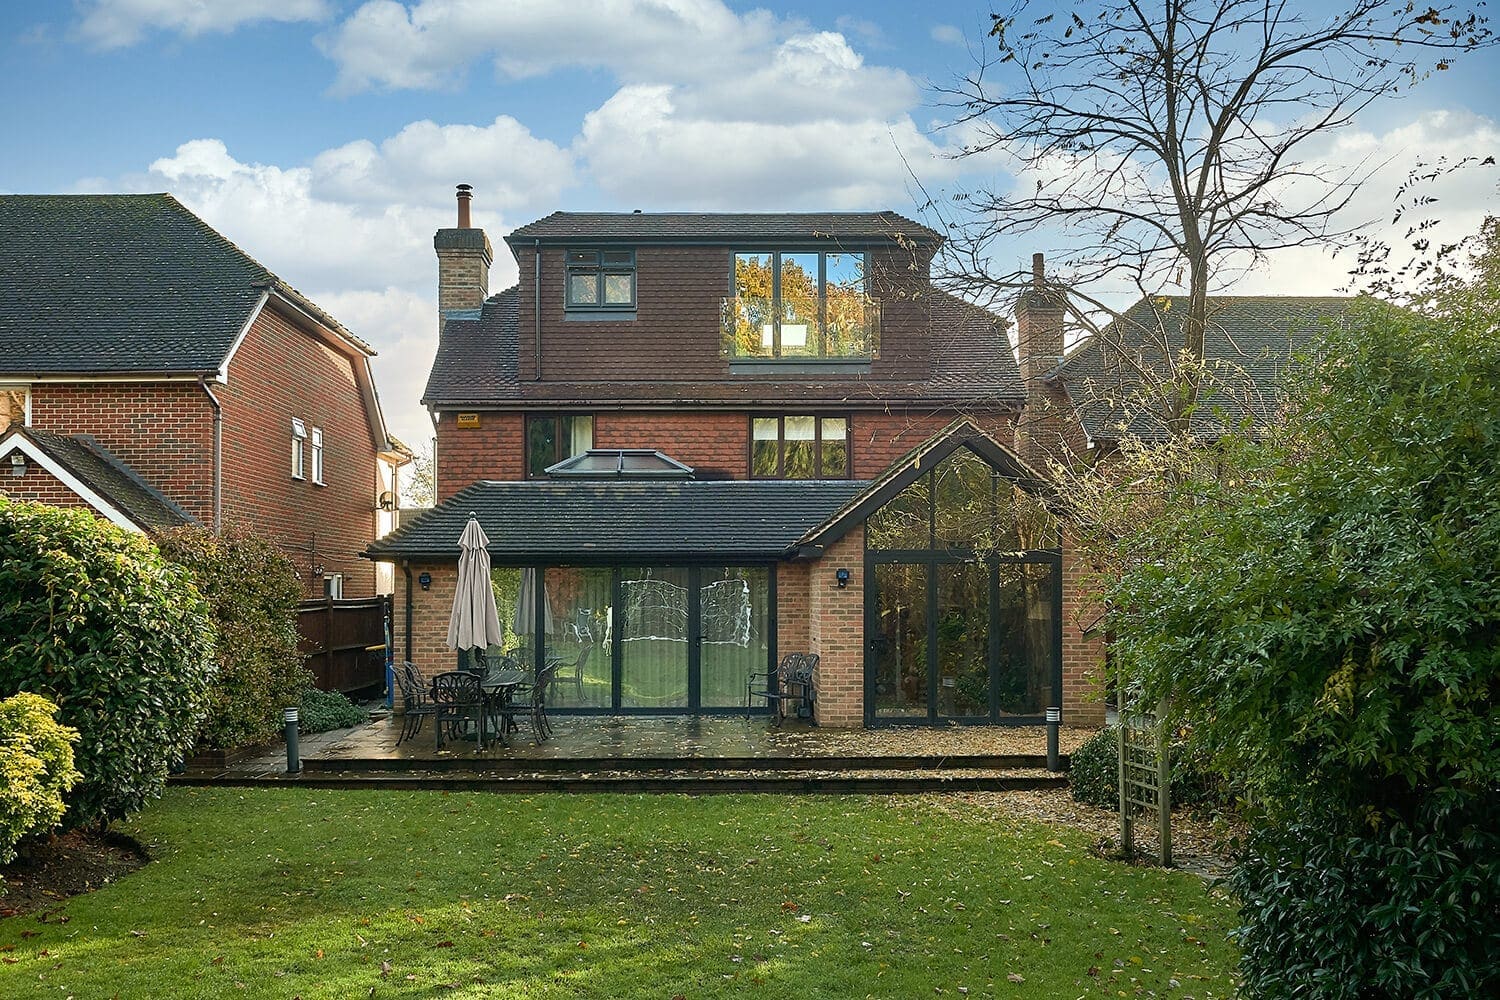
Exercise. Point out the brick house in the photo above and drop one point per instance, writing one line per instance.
(699, 441)
(151, 371)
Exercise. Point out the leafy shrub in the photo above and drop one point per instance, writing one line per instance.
(325, 710)
(1372, 912)
(36, 769)
(252, 592)
(95, 620)
(1094, 773)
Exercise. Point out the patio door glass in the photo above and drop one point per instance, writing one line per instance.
(1028, 621)
(651, 618)
(963, 640)
(577, 622)
(733, 616)
(898, 641)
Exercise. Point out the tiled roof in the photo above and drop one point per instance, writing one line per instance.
(1246, 346)
(664, 520)
(99, 284)
(477, 359)
(852, 227)
(113, 480)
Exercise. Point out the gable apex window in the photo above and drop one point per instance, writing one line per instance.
(299, 442)
(600, 279)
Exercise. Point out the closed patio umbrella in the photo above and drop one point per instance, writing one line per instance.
(475, 623)
(524, 622)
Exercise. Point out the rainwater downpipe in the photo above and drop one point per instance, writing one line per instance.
(406, 569)
(536, 305)
(218, 456)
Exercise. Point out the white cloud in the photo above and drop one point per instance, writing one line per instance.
(642, 151)
(112, 24)
(387, 44)
(947, 34)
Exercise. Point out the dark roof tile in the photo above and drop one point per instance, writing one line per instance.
(852, 227)
(117, 483)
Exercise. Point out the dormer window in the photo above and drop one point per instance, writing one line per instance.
(601, 279)
(800, 306)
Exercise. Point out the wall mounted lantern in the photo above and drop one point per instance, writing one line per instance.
(842, 576)
(425, 579)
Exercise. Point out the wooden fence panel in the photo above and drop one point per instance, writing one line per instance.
(344, 642)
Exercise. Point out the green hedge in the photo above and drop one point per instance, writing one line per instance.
(36, 769)
(95, 620)
(252, 592)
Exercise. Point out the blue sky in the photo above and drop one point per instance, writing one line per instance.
(325, 137)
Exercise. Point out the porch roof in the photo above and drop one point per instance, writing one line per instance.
(531, 523)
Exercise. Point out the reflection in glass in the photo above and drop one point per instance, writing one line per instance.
(754, 328)
(799, 303)
(653, 623)
(577, 641)
(846, 304)
(800, 448)
(1027, 632)
(734, 617)
(899, 646)
(835, 431)
(765, 446)
(902, 523)
(963, 640)
(966, 515)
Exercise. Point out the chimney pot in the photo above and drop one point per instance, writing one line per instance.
(465, 195)
(1038, 270)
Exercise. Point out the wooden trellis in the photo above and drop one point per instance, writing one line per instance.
(1145, 777)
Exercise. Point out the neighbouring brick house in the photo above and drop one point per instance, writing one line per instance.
(152, 371)
(699, 441)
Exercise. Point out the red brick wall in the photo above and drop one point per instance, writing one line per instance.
(496, 449)
(280, 372)
(162, 430)
(1083, 654)
(716, 443)
(836, 628)
(792, 609)
(430, 611)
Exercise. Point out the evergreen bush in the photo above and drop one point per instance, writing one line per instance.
(327, 710)
(36, 769)
(117, 637)
(252, 592)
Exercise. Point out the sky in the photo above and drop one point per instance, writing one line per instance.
(326, 137)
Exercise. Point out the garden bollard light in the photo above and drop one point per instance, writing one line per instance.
(293, 753)
(1054, 720)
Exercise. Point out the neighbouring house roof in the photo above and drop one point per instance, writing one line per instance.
(555, 523)
(726, 227)
(477, 364)
(80, 460)
(1247, 345)
(117, 284)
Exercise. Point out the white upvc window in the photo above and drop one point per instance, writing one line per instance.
(299, 441)
(317, 456)
(333, 586)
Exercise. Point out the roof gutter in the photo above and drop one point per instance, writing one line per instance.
(218, 456)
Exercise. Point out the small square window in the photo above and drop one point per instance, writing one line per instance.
(601, 279)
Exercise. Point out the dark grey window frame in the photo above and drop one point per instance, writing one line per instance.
(600, 270)
(556, 418)
(818, 419)
(822, 325)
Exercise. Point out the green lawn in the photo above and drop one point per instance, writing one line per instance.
(294, 893)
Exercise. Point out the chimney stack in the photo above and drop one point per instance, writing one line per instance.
(1042, 431)
(464, 256)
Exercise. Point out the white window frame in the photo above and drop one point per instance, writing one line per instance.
(299, 437)
(333, 586)
(317, 456)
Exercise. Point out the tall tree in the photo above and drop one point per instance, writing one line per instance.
(1173, 142)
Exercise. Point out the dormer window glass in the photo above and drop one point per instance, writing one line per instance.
(601, 279)
(800, 305)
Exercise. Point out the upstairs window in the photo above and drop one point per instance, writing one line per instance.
(317, 456)
(299, 442)
(799, 447)
(15, 406)
(601, 279)
(801, 305)
(550, 438)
